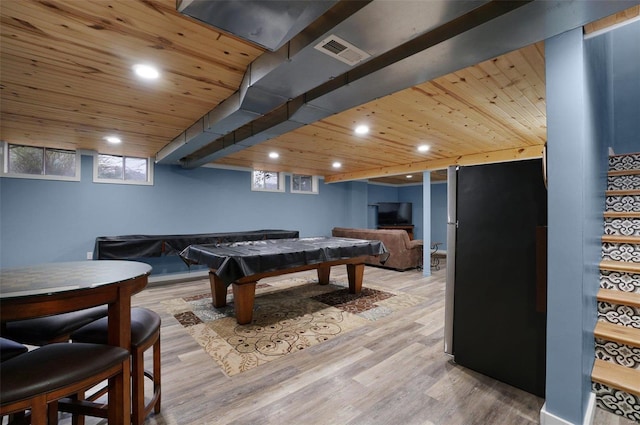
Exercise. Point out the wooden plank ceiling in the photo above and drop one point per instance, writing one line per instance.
(493, 106)
(67, 82)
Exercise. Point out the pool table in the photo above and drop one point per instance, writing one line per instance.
(242, 264)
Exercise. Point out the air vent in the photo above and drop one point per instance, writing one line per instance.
(339, 49)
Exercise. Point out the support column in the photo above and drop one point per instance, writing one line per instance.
(426, 223)
(576, 158)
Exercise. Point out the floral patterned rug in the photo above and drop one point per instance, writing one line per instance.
(289, 315)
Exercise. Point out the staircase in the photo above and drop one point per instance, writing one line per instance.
(616, 372)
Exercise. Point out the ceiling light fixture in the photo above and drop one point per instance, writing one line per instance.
(147, 72)
(423, 148)
(337, 165)
(409, 176)
(274, 155)
(362, 129)
(113, 139)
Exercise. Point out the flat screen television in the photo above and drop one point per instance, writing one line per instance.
(394, 213)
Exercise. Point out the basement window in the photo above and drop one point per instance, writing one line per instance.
(302, 183)
(32, 162)
(267, 181)
(122, 170)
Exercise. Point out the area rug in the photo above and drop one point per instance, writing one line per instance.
(289, 315)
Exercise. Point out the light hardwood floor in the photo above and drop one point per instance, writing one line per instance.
(392, 371)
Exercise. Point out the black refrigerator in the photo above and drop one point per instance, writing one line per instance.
(499, 272)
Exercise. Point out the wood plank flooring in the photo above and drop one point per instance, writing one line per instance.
(392, 371)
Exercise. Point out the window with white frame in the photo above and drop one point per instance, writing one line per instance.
(267, 181)
(302, 183)
(35, 162)
(122, 169)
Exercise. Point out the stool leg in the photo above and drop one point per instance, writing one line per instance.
(18, 418)
(137, 375)
(53, 413)
(39, 411)
(156, 373)
(78, 419)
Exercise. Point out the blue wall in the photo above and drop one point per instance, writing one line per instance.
(439, 214)
(357, 195)
(577, 158)
(378, 193)
(51, 221)
(624, 55)
(413, 194)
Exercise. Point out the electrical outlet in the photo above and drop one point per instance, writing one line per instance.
(89, 255)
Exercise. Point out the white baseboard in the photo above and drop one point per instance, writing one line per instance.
(591, 410)
(547, 418)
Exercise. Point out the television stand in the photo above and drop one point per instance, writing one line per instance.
(407, 227)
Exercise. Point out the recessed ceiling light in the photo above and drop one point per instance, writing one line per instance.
(409, 176)
(113, 139)
(147, 72)
(274, 155)
(423, 148)
(337, 165)
(362, 129)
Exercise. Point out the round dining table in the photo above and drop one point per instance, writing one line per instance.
(47, 289)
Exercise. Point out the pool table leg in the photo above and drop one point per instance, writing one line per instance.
(355, 273)
(218, 290)
(243, 297)
(323, 274)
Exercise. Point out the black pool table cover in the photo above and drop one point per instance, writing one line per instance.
(144, 246)
(232, 261)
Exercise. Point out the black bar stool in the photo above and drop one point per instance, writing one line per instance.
(49, 329)
(145, 332)
(36, 380)
(10, 349)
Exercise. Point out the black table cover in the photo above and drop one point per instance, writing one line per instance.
(233, 261)
(142, 246)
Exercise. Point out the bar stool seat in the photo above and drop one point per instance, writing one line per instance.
(10, 349)
(145, 332)
(56, 328)
(34, 379)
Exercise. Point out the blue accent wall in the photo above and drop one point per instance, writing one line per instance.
(577, 159)
(52, 221)
(357, 195)
(382, 193)
(413, 194)
(439, 214)
(624, 55)
(378, 193)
